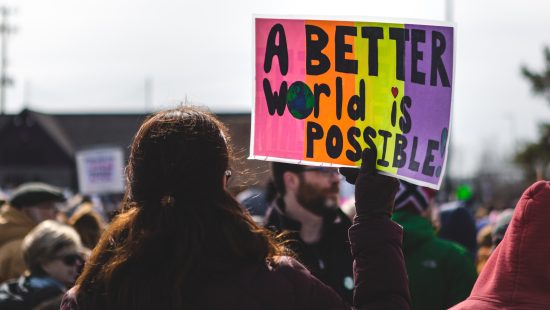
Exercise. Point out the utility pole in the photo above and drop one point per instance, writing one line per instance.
(148, 95)
(453, 154)
(5, 30)
(449, 10)
(27, 94)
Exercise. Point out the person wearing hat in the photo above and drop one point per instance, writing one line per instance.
(517, 274)
(441, 272)
(30, 204)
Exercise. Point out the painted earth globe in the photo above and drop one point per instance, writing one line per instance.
(299, 100)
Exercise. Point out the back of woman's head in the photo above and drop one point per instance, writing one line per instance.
(180, 153)
(179, 225)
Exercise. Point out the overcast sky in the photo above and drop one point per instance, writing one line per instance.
(95, 56)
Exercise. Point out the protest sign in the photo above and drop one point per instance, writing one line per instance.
(100, 171)
(326, 89)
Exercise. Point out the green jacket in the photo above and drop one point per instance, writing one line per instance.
(441, 274)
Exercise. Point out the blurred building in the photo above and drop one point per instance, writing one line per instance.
(37, 146)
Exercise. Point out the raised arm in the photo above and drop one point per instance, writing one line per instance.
(379, 266)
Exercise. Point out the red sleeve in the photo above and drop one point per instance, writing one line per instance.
(310, 292)
(379, 266)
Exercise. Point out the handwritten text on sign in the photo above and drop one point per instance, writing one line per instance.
(325, 90)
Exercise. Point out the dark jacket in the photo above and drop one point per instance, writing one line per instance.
(329, 259)
(458, 225)
(517, 275)
(441, 273)
(379, 270)
(30, 293)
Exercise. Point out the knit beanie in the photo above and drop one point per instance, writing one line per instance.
(413, 197)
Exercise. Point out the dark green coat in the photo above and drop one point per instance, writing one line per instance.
(441, 273)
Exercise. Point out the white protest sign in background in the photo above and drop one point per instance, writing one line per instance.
(100, 170)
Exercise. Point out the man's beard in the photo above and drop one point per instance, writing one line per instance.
(317, 201)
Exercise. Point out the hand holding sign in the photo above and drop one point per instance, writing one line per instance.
(374, 193)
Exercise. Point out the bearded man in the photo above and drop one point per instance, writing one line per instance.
(306, 210)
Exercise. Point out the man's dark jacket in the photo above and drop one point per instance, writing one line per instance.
(329, 259)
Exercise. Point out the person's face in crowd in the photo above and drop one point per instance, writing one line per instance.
(65, 266)
(42, 211)
(319, 189)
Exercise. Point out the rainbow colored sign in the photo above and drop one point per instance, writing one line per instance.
(325, 90)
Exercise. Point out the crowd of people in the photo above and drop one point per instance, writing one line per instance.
(180, 240)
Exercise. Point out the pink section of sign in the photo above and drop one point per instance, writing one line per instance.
(271, 133)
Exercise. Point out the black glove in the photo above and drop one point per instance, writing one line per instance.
(374, 193)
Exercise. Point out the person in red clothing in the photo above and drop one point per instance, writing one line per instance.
(183, 242)
(517, 274)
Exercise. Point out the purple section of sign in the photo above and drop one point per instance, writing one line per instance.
(431, 105)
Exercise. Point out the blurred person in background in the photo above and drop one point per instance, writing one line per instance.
(491, 235)
(501, 225)
(306, 209)
(457, 224)
(3, 198)
(88, 223)
(182, 240)
(484, 246)
(441, 273)
(517, 274)
(52, 254)
(30, 204)
(482, 216)
(255, 201)
(109, 204)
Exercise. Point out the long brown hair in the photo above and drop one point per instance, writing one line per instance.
(179, 225)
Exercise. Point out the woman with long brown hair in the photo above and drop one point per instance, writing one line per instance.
(183, 242)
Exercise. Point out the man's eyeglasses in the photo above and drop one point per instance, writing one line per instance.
(71, 259)
(327, 171)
